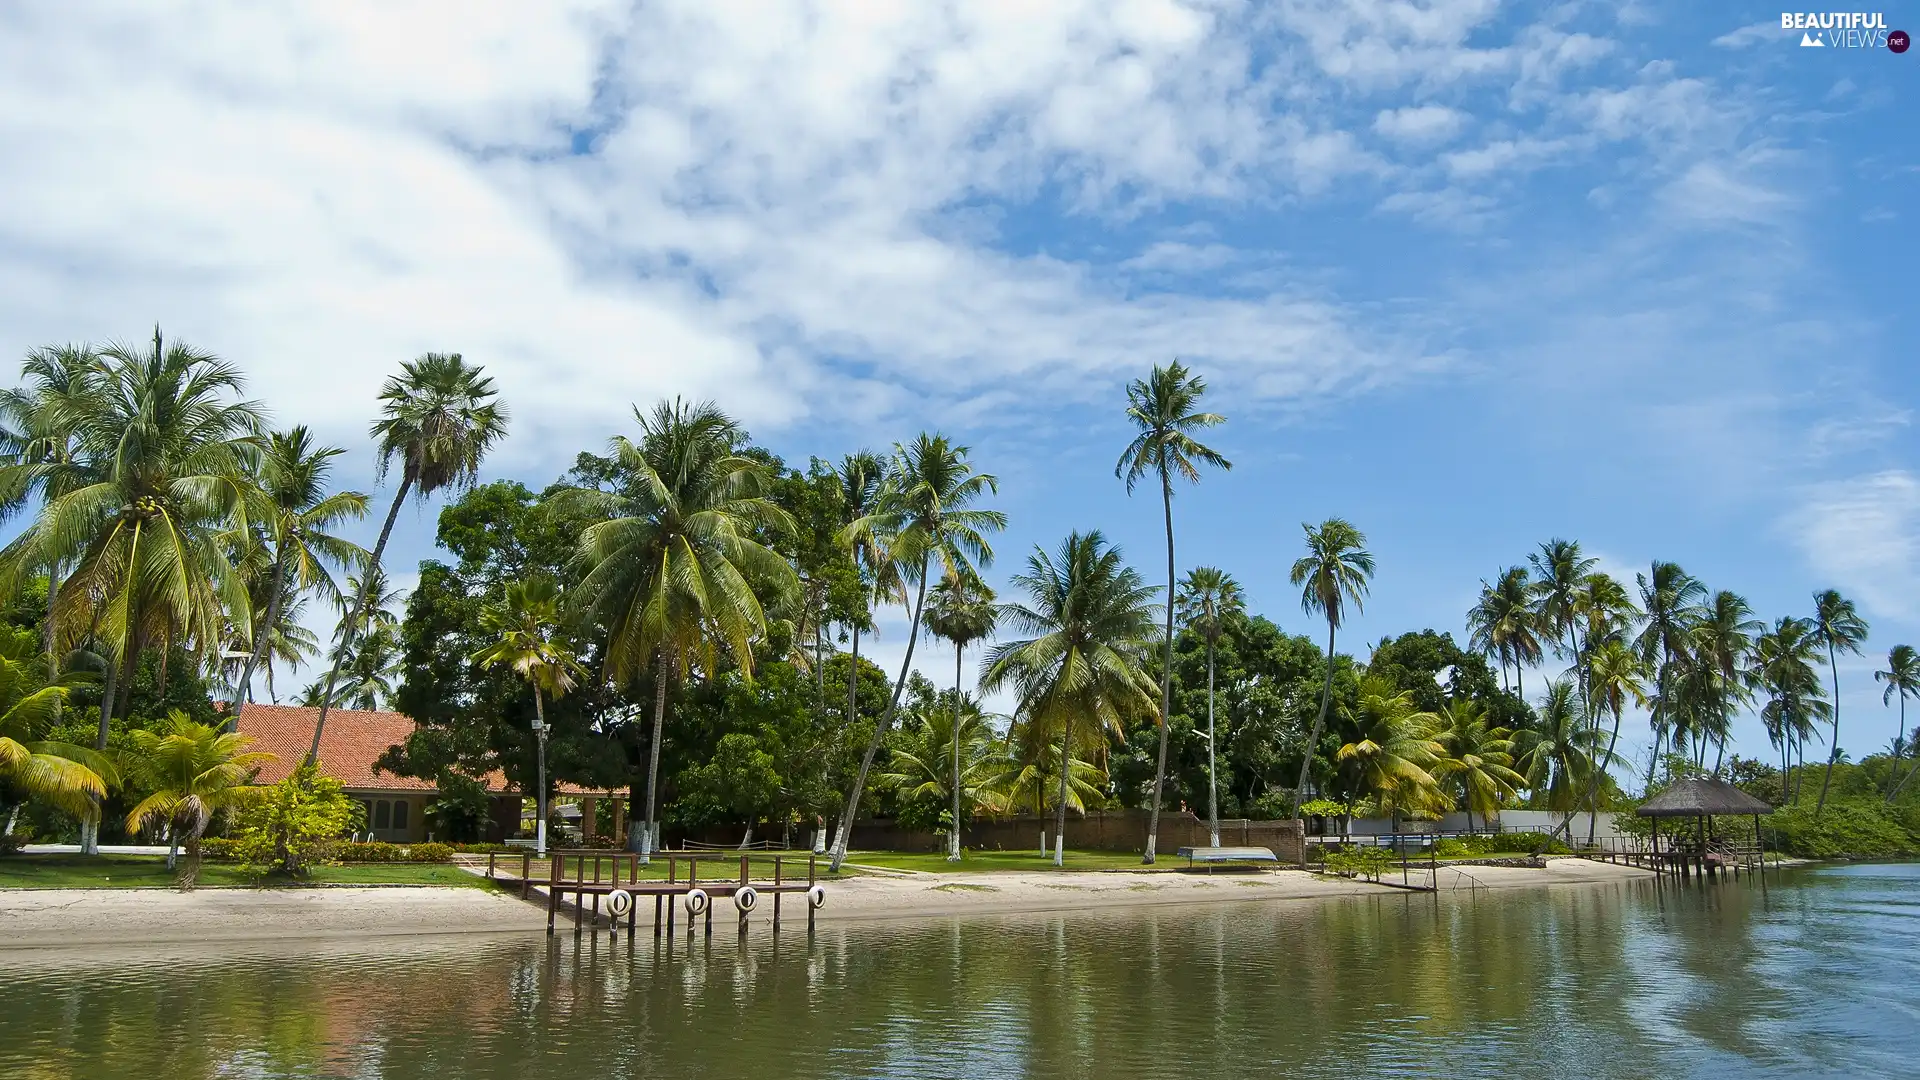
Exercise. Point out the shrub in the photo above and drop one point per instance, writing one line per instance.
(301, 821)
(1861, 827)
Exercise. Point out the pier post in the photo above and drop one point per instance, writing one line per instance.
(776, 892)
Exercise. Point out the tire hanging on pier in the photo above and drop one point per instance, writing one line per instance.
(619, 902)
(697, 901)
(817, 896)
(745, 898)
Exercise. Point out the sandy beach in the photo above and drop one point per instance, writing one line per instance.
(70, 918)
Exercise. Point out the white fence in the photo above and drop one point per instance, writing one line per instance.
(1504, 821)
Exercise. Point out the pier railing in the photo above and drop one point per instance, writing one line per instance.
(695, 880)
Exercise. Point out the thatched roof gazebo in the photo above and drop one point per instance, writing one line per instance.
(1702, 799)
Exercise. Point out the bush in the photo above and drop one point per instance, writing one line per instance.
(301, 821)
(1861, 828)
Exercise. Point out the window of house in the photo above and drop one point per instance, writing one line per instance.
(399, 815)
(382, 814)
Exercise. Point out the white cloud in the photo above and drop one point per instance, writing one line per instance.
(1420, 124)
(1864, 535)
(1749, 35)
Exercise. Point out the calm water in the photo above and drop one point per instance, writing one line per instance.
(1819, 977)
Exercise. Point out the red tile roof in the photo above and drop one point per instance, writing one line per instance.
(353, 741)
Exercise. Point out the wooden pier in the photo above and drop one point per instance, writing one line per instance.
(594, 877)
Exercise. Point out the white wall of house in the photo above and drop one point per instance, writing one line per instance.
(1505, 821)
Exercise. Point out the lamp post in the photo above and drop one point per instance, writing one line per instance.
(540, 792)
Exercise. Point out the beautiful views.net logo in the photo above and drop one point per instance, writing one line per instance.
(1844, 30)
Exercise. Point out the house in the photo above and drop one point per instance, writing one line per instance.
(396, 806)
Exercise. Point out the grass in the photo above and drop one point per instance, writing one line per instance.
(973, 862)
(150, 871)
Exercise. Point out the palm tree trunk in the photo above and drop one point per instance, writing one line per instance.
(359, 611)
(540, 776)
(664, 673)
(839, 853)
(261, 634)
(1060, 812)
(853, 679)
(1166, 677)
(953, 833)
(1833, 751)
(53, 593)
(1319, 722)
(1913, 751)
(1593, 804)
(1213, 782)
(173, 846)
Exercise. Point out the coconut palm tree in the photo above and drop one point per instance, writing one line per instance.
(861, 475)
(1208, 598)
(368, 678)
(1902, 677)
(1334, 573)
(921, 765)
(1784, 659)
(1615, 676)
(524, 626)
(674, 574)
(1671, 599)
(962, 613)
(196, 771)
(1721, 645)
(1478, 756)
(924, 519)
(1029, 766)
(1502, 623)
(72, 778)
(1558, 570)
(1837, 627)
(438, 419)
(1165, 407)
(1562, 754)
(1392, 752)
(300, 511)
(42, 451)
(1091, 617)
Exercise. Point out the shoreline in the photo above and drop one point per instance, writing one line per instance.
(78, 919)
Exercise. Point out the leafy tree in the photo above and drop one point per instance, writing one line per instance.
(1720, 649)
(196, 771)
(962, 613)
(1902, 677)
(1837, 627)
(298, 511)
(1502, 624)
(297, 823)
(738, 781)
(1334, 573)
(73, 778)
(1563, 754)
(1783, 670)
(922, 518)
(1615, 676)
(1164, 406)
(1207, 597)
(1476, 755)
(673, 572)
(438, 419)
(1559, 567)
(1392, 752)
(860, 476)
(526, 641)
(1672, 599)
(936, 787)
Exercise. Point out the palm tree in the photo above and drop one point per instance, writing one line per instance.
(42, 450)
(1478, 755)
(1783, 669)
(438, 418)
(370, 671)
(524, 627)
(1563, 753)
(1558, 569)
(1903, 681)
(1721, 643)
(861, 475)
(918, 767)
(1334, 572)
(72, 778)
(1208, 598)
(1502, 623)
(196, 771)
(1837, 627)
(1392, 750)
(1092, 620)
(1029, 763)
(963, 613)
(293, 480)
(1614, 675)
(1165, 407)
(1671, 599)
(675, 575)
(922, 518)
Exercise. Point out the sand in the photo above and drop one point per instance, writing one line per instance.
(79, 918)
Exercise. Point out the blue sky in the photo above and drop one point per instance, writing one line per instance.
(1470, 274)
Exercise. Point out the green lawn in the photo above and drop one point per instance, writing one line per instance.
(132, 871)
(978, 861)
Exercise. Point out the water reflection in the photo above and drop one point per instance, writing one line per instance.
(1813, 977)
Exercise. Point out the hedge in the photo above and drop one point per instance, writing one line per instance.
(367, 851)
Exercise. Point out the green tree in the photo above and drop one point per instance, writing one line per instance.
(196, 771)
(737, 781)
(73, 778)
(1208, 597)
(1334, 573)
(961, 612)
(1672, 600)
(298, 512)
(438, 419)
(931, 782)
(1502, 624)
(1559, 567)
(923, 518)
(1721, 647)
(1902, 677)
(1837, 627)
(1165, 407)
(861, 476)
(673, 573)
(1615, 676)
(297, 823)
(1091, 617)
(1476, 755)
(1392, 750)
(1783, 670)
(526, 641)
(1563, 754)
